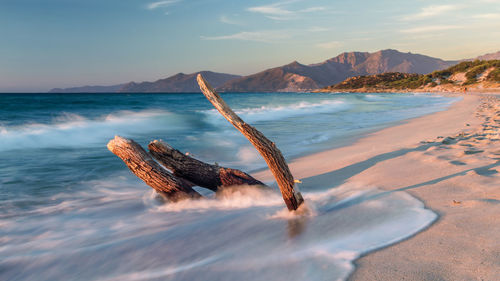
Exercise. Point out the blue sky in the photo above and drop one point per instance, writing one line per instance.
(61, 43)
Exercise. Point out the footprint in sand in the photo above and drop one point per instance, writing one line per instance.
(485, 171)
(458, 163)
(449, 140)
(468, 152)
(489, 200)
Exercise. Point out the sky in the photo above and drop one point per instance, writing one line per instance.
(64, 43)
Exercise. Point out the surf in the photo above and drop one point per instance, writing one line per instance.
(74, 130)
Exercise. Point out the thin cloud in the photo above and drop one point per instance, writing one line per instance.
(278, 11)
(430, 28)
(330, 45)
(271, 10)
(318, 29)
(227, 20)
(161, 4)
(312, 9)
(266, 35)
(258, 36)
(487, 16)
(432, 11)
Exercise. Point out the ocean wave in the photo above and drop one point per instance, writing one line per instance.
(267, 113)
(371, 97)
(69, 130)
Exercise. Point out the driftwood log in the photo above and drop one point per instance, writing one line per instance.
(271, 154)
(185, 171)
(148, 170)
(198, 172)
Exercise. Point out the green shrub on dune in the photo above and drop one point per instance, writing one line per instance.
(494, 76)
(464, 66)
(446, 81)
(442, 74)
(473, 72)
(471, 68)
(383, 81)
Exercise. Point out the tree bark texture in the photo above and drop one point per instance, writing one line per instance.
(198, 172)
(148, 170)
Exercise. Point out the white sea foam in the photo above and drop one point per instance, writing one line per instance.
(316, 138)
(370, 97)
(231, 199)
(68, 130)
(266, 113)
(248, 154)
(161, 273)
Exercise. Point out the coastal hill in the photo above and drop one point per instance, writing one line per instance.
(88, 89)
(288, 78)
(297, 77)
(492, 56)
(179, 83)
(468, 75)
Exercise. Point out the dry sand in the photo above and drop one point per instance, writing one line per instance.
(450, 161)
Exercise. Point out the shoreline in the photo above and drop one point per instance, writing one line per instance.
(309, 165)
(449, 160)
(354, 138)
(438, 90)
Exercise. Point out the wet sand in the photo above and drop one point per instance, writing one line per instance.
(449, 160)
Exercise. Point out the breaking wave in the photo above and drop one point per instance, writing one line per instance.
(267, 113)
(68, 130)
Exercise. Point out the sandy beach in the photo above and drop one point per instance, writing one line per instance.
(450, 161)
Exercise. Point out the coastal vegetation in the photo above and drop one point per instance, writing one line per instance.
(494, 75)
(472, 70)
(467, 73)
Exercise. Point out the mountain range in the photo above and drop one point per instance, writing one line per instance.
(292, 77)
(179, 83)
(296, 77)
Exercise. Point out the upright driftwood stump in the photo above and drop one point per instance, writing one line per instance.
(154, 175)
(196, 171)
(274, 159)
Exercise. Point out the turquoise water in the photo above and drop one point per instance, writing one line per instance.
(70, 209)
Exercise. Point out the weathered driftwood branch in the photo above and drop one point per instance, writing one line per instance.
(188, 171)
(154, 175)
(196, 171)
(274, 159)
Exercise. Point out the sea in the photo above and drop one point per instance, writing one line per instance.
(71, 210)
